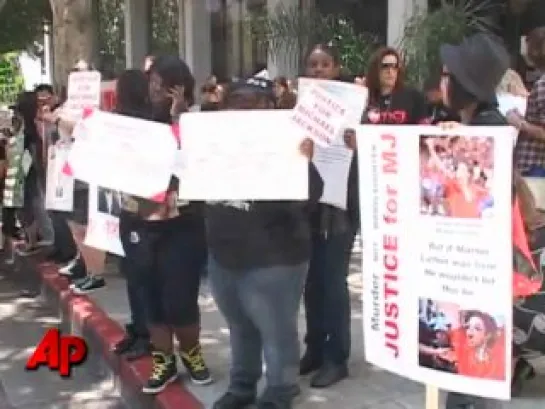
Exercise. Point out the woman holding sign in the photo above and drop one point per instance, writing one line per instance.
(258, 262)
(327, 301)
(164, 245)
(470, 92)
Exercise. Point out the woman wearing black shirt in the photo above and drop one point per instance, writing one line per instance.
(391, 102)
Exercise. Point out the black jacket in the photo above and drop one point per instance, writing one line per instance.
(256, 234)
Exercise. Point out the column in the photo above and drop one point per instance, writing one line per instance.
(197, 39)
(137, 32)
(399, 12)
(283, 63)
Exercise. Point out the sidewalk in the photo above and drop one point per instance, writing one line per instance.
(367, 387)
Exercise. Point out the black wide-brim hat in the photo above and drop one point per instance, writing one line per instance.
(478, 63)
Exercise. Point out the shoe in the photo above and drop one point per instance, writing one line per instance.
(274, 398)
(193, 361)
(231, 401)
(309, 363)
(77, 282)
(140, 349)
(90, 284)
(328, 375)
(67, 269)
(127, 342)
(163, 373)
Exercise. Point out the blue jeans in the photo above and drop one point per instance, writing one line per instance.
(327, 300)
(261, 307)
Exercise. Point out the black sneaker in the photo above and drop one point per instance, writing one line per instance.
(88, 285)
(232, 401)
(163, 373)
(193, 361)
(68, 269)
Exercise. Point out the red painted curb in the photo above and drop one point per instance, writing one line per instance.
(89, 315)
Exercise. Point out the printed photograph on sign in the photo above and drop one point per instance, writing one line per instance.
(469, 343)
(456, 174)
(109, 202)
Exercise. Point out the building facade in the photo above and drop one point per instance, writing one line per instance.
(214, 37)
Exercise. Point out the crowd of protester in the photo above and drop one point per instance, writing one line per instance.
(168, 246)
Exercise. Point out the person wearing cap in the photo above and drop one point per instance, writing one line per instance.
(472, 71)
(259, 254)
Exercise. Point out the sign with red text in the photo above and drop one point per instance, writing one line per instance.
(58, 353)
(103, 220)
(320, 115)
(436, 233)
(84, 92)
(333, 160)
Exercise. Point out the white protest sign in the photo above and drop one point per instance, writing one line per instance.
(428, 312)
(103, 221)
(123, 153)
(333, 161)
(320, 115)
(59, 192)
(84, 92)
(241, 155)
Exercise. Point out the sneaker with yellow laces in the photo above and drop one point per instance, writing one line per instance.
(163, 372)
(193, 361)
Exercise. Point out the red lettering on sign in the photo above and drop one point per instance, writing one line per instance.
(58, 352)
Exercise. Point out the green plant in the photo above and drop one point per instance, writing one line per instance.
(425, 32)
(290, 31)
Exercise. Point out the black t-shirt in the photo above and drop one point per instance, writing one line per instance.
(406, 106)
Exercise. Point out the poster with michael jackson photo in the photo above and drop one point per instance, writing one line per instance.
(436, 235)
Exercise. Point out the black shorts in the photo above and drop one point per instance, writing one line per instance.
(167, 258)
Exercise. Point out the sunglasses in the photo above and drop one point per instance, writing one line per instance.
(386, 65)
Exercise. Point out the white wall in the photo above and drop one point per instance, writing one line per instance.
(195, 38)
(399, 11)
(137, 32)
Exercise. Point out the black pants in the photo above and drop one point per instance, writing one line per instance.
(65, 246)
(327, 300)
(163, 263)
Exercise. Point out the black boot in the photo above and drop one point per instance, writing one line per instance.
(329, 374)
(309, 363)
(127, 342)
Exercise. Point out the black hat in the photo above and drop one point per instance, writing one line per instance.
(478, 64)
(258, 85)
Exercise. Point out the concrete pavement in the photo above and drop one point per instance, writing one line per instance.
(367, 388)
(23, 322)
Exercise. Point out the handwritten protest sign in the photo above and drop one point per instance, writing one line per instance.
(84, 92)
(333, 161)
(124, 154)
(428, 314)
(246, 155)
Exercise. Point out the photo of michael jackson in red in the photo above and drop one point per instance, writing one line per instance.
(464, 342)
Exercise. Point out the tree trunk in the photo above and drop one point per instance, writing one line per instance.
(74, 36)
